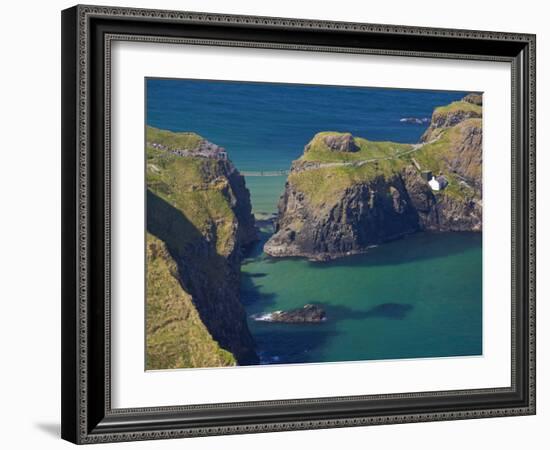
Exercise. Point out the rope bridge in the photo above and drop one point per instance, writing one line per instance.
(264, 173)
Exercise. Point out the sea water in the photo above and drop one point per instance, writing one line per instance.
(420, 296)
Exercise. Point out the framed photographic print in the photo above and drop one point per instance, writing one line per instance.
(281, 224)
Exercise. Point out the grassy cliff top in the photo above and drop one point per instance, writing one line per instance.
(176, 336)
(325, 185)
(171, 140)
(317, 150)
(368, 160)
(438, 157)
(435, 155)
(372, 160)
(197, 188)
(458, 106)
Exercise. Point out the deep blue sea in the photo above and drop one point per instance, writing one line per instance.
(266, 126)
(416, 297)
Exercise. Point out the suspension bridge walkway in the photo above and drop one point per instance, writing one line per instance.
(357, 163)
(264, 173)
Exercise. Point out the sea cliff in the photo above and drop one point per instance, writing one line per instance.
(199, 222)
(346, 193)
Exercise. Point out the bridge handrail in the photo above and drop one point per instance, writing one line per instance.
(264, 173)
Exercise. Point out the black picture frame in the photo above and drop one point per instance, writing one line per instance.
(87, 32)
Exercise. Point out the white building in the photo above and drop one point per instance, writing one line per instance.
(434, 184)
(439, 183)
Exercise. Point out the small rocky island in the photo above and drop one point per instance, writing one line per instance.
(307, 314)
(346, 194)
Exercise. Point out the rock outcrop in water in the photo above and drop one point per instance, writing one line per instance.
(307, 314)
(415, 120)
(339, 202)
(198, 223)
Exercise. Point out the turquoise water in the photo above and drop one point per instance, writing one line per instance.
(265, 193)
(415, 297)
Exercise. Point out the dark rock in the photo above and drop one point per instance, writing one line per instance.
(415, 120)
(443, 183)
(441, 212)
(341, 143)
(364, 215)
(465, 159)
(307, 314)
(476, 99)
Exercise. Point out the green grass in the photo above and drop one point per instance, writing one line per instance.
(197, 187)
(173, 140)
(325, 185)
(435, 156)
(318, 151)
(176, 336)
(457, 190)
(458, 106)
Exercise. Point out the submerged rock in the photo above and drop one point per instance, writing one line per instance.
(415, 120)
(307, 314)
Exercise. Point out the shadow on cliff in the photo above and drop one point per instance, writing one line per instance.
(251, 293)
(251, 281)
(198, 266)
(256, 250)
(170, 225)
(415, 247)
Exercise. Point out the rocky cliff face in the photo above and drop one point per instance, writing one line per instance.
(346, 194)
(450, 115)
(198, 207)
(176, 335)
(363, 214)
(440, 211)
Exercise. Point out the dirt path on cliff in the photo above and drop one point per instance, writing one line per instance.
(362, 162)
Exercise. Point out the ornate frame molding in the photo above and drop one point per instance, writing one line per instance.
(80, 418)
